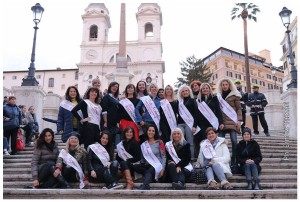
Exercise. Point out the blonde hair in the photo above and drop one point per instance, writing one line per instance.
(172, 90)
(200, 93)
(180, 90)
(68, 144)
(180, 132)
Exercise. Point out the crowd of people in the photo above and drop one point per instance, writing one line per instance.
(155, 134)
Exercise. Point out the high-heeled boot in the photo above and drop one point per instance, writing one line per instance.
(128, 179)
(64, 184)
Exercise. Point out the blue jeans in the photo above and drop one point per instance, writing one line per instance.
(186, 130)
(250, 171)
(215, 168)
(233, 138)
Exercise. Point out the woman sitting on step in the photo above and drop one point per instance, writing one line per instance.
(44, 157)
(178, 158)
(215, 156)
(249, 157)
(129, 152)
(153, 161)
(71, 164)
(101, 165)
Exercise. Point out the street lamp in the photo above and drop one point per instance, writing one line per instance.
(273, 69)
(37, 10)
(285, 17)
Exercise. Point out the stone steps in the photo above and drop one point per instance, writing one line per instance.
(141, 194)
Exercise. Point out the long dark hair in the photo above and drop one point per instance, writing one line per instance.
(109, 88)
(145, 92)
(128, 86)
(41, 140)
(87, 94)
(67, 96)
(156, 136)
(109, 147)
(126, 130)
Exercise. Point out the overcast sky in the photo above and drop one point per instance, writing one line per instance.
(189, 27)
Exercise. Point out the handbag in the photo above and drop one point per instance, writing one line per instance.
(235, 169)
(20, 143)
(198, 175)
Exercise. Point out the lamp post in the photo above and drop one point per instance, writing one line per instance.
(285, 17)
(30, 80)
(273, 69)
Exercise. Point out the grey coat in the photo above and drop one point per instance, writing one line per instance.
(41, 156)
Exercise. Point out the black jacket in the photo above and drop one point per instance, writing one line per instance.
(184, 153)
(243, 100)
(133, 148)
(258, 99)
(111, 106)
(248, 150)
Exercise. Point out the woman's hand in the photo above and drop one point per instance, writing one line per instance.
(249, 161)
(93, 174)
(61, 132)
(161, 173)
(221, 126)
(178, 169)
(142, 123)
(211, 162)
(238, 125)
(36, 183)
(56, 172)
(108, 164)
(85, 119)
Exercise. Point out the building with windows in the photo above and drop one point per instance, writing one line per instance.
(285, 52)
(226, 63)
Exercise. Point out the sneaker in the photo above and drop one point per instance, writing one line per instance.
(213, 185)
(227, 186)
(267, 134)
(115, 185)
(5, 153)
(144, 187)
(255, 133)
(178, 185)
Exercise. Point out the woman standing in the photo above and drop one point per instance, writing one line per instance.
(188, 116)
(249, 157)
(141, 89)
(229, 99)
(101, 165)
(127, 106)
(153, 160)
(129, 152)
(90, 119)
(43, 160)
(169, 106)
(66, 122)
(178, 158)
(195, 86)
(110, 112)
(72, 162)
(214, 155)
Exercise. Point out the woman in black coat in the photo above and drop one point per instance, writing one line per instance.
(178, 159)
(249, 157)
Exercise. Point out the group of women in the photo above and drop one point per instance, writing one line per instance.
(149, 135)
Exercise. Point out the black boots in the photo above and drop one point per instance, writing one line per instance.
(249, 184)
(178, 185)
(64, 184)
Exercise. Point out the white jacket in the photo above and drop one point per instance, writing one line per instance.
(222, 157)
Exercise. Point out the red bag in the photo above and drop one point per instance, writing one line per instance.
(20, 143)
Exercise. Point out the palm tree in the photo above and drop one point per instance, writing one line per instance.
(246, 9)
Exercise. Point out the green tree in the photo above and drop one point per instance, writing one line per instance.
(248, 12)
(193, 69)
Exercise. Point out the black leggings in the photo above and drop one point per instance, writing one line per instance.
(45, 175)
(90, 133)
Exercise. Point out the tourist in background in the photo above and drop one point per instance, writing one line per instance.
(215, 156)
(32, 122)
(160, 93)
(25, 125)
(249, 156)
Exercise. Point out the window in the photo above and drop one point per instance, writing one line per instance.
(238, 76)
(235, 55)
(51, 82)
(229, 74)
(274, 78)
(226, 52)
(262, 83)
(63, 75)
(38, 76)
(280, 80)
(149, 31)
(235, 66)
(226, 63)
(216, 67)
(270, 86)
(285, 65)
(93, 33)
(269, 76)
(76, 75)
(63, 86)
(254, 81)
(14, 77)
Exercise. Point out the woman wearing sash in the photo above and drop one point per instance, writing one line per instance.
(101, 165)
(215, 156)
(153, 161)
(129, 152)
(111, 113)
(44, 158)
(66, 122)
(210, 113)
(229, 99)
(167, 124)
(141, 89)
(195, 86)
(151, 105)
(178, 158)
(90, 117)
(249, 156)
(188, 116)
(72, 162)
(127, 106)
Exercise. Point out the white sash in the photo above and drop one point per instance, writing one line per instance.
(101, 153)
(187, 116)
(170, 148)
(208, 114)
(129, 107)
(122, 153)
(208, 150)
(94, 112)
(153, 111)
(66, 104)
(227, 109)
(151, 158)
(169, 113)
(71, 161)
